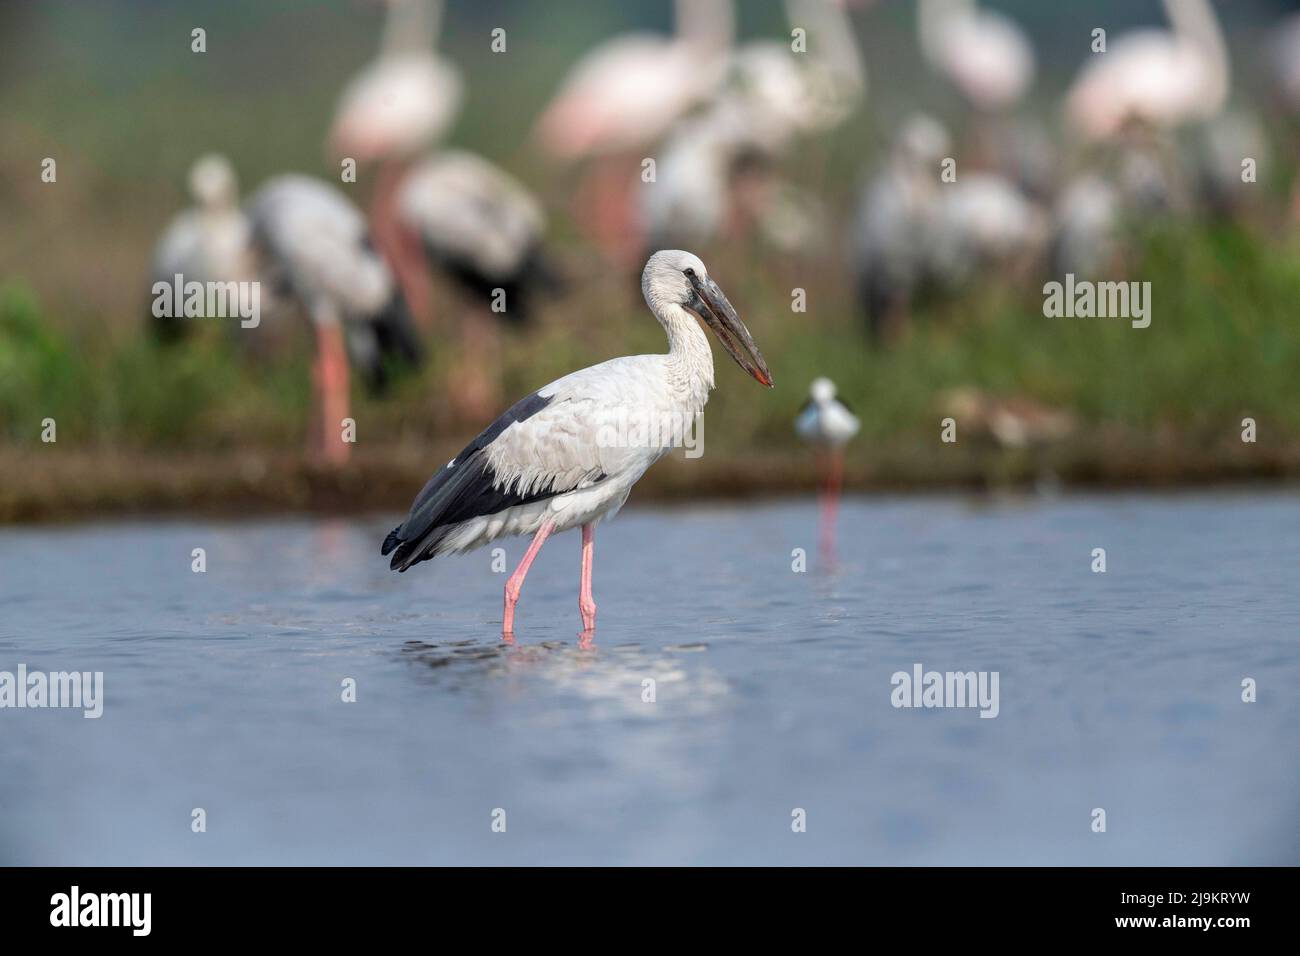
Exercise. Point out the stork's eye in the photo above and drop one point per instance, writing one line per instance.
(690, 272)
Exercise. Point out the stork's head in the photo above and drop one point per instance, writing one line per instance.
(212, 182)
(922, 140)
(673, 277)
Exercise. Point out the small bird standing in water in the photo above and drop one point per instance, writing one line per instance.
(826, 423)
(568, 454)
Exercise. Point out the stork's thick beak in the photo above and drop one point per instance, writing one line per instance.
(712, 306)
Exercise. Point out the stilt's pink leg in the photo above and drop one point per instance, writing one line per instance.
(830, 501)
(516, 582)
(586, 603)
(330, 378)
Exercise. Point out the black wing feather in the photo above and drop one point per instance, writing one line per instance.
(464, 488)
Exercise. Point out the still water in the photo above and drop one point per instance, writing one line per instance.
(772, 690)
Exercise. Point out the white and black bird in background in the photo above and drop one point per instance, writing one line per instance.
(827, 423)
(313, 250)
(567, 455)
(205, 243)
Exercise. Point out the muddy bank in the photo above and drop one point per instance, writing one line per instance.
(46, 484)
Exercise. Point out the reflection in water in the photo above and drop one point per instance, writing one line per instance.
(615, 674)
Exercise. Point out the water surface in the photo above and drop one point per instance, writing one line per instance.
(223, 690)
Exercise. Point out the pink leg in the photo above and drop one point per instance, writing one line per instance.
(516, 582)
(586, 603)
(398, 245)
(830, 502)
(330, 378)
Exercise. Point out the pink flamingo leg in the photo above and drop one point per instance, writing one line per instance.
(830, 502)
(516, 582)
(330, 378)
(586, 603)
(399, 246)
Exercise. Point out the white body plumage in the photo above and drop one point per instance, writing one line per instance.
(571, 452)
(825, 420)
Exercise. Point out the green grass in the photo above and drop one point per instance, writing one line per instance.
(1221, 345)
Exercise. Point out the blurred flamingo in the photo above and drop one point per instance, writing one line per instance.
(1158, 79)
(623, 96)
(714, 173)
(985, 55)
(401, 103)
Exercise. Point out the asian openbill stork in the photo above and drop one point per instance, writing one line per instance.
(568, 454)
(206, 243)
(314, 251)
(465, 218)
(827, 424)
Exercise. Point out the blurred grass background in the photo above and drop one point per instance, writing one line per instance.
(112, 91)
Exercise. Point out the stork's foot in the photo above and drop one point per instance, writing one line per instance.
(508, 616)
(588, 610)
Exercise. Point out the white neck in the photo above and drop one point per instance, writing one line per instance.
(1195, 22)
(708, 25)
(689, 360)
(834, 33)
(412, 26)
(934, 19)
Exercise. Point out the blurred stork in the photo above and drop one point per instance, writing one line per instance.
(792, 94)
(916, 233)
(713, 177)
(1086, 228)
(827, 423)
(568, 454)
(695, 198)
(481, 227)
(400, 104)
(895, 224)
(623, 96)
(313, 250)
(207, 243)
